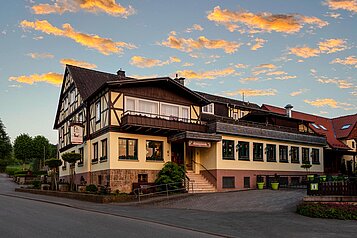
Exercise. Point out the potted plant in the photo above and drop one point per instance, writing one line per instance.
(71, 158)
(275, 182)
(260, 182)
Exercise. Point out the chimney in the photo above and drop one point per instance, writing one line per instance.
(121, 73)
(288, 110)
(180, 80)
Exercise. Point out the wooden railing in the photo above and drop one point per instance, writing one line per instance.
(342, 188)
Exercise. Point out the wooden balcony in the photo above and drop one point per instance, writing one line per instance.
(266, 132)
(158, 124)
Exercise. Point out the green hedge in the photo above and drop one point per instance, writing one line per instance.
(340, 211)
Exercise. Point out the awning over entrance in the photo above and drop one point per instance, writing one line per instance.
(197, 136)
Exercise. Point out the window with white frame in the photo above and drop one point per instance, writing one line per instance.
(130, 105)
(170, 111)
(185, 114)
(97, 111)
(72, 96)
(149, 107)
(208, 108)
(65, 103)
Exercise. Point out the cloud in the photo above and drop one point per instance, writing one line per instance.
(300, 91)
(253, 92)
(188, 45)
(40, 55)
(143, 62)
(104, 45)
(286, 77)
(144, 76)
(61, 6)
(327, 102)
(78, 63)
(348, 5)
(266, 66)
(324, 47)
(211, 74)
(241, 66)
(264, 21)
(339, 83)
(51, 78)
(276, 73)
(187, 64)
(245, 80)
(195, 27)
(258, 44)
(350, 60)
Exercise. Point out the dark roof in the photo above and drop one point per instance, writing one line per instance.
(224, 100)
(88, 81)
(327, 123)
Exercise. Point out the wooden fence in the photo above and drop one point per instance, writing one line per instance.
(341, 188)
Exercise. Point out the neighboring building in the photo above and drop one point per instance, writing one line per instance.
(341, 135)
(131, 127)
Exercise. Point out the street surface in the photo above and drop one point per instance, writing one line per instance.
(255, 213)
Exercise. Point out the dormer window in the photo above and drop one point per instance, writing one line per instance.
(97, 111)
(344, 127)
(324, 128)
(208, 108)
(314, 125)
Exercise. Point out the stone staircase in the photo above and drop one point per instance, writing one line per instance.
(199, 183)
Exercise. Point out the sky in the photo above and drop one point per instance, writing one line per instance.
(274, 52)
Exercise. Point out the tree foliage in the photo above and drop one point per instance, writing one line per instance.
(71, 157)
(5, 144)
(53, 163)
(23, 148)
(171, 173)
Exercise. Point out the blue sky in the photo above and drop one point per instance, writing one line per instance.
(276, 52)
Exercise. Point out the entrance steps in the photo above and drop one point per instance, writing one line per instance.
(199, 184)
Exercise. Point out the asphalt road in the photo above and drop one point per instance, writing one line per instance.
(28, 218)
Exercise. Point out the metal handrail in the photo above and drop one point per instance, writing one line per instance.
(161, 116)
(214, 177)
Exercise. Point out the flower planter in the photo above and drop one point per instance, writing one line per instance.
(260, 185)
(274, 186)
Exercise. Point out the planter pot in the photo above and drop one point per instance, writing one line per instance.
(81, 188)
(260, 185)
(274, 186)
(63, 187)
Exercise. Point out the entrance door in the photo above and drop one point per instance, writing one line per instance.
(177, 153)
(190, 153)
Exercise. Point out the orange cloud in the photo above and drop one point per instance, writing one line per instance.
(327, 102)
(104, 45)
(265, 21)
(51, 78)
(254, 92)
(107, 6)
(286, 77)
(348, 5)
(245, 80)
(187, 45)
(258, 43)
(300, 91)
(241, 66)
(78, 63)
(339, 83)
(212, 74)
(40, 55)
(276, 73)
(143, 62)
(195, 27)
(350, 60)
(324, 47)
(266, 66)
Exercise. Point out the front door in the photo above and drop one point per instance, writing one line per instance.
(177, 153)
(190, 153)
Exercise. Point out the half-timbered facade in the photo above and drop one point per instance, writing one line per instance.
(131, 127)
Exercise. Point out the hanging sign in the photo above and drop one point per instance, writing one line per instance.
(76, 134)
(196, 143)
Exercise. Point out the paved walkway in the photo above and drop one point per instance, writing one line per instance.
(236, 214)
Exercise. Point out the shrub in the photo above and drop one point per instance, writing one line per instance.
(91, 188)
(340, 211)
(36, 184)
(172, 174)
(10, 170)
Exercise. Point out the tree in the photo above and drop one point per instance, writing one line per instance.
(23, 148)
(40, 151)
(53, 164)
(71, 158)
(5, 147)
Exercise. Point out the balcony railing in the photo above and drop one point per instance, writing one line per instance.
(160, 123)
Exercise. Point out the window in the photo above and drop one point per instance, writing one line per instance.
(271, 153)
(305, 156)
(80, 117)
(97, 111)
(72, 96)
(258, 151)
(344, 127)
(315, 155)
(283, 153)
(294, 154)
(185, 116)
(95, 153)
(208, 108)
(81, 152)
(324, 128)
(104, 150)
(353, 144)
(65, 103)
(151, 108)
(142, 178)
(129, 104)
(314, 125)
(228, 182)
(246, 182)
(228, 149)
(62, 134)
(128, 149)
(243, 150)
(154, 150)
(170, 112)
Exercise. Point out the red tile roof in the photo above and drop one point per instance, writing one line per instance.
(339, 122)
(324, 126)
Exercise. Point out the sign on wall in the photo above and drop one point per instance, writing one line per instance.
(196, 143)
(76, 134)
